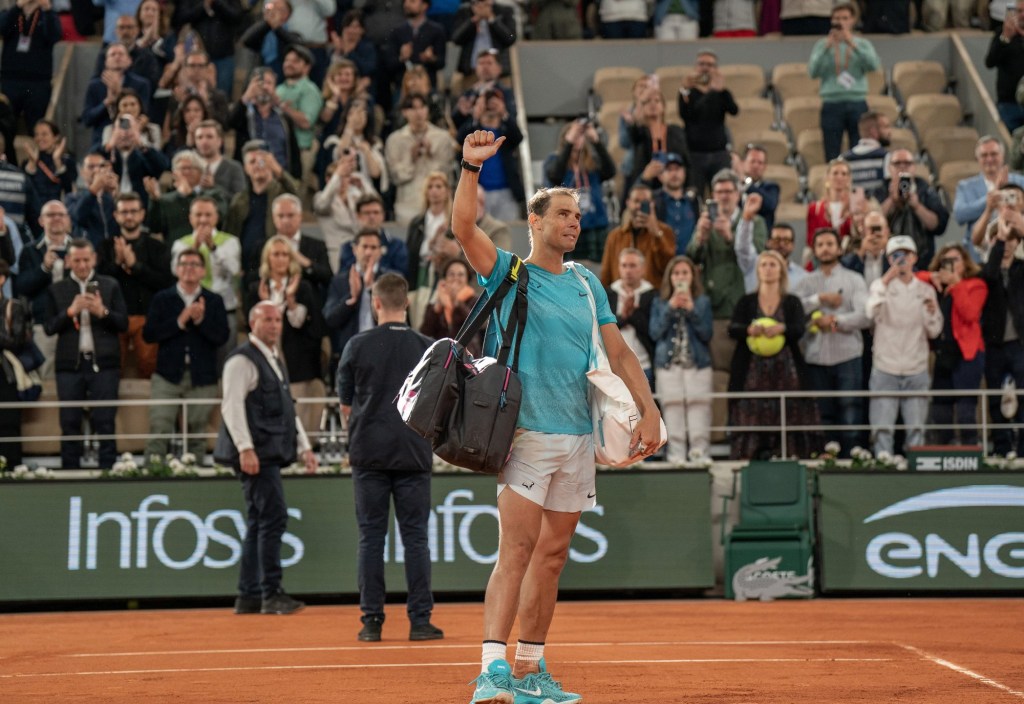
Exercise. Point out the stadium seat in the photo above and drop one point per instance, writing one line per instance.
(947, 144)
(904, 138)
(40, 421)
(616, 82)
(787, 178)
(775, 521)
(929, 110)
(953, 172)
(911, 78)
(801, 114)
(792, 81)
(743, 80)
(810, 145)
(669, 79)
(132, 420)
(608, 119)
(755, 114)
(775, 144)
(791, 213)
(816, 181)
(886, 105)
(876, 82)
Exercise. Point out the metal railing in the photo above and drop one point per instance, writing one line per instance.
(331, 436)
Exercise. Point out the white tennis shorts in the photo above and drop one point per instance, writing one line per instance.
(554, 471)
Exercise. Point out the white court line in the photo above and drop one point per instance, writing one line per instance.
(364, 648)
(962, 670)
(179, 670)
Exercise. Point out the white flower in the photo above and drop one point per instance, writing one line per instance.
(832, 447)
(901, 465)
(118, 469)
(156, 459)
(188, 458)
(1011, 455)
(42, 472)
(696, 453)
(127, 457)
(899, 459)
(21, 471)
(884, 457)
(706, 461)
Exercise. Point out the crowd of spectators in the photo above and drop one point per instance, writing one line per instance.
(143, 257)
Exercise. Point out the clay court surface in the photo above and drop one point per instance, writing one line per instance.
(911, 651)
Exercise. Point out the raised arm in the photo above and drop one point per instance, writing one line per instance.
(480, 251)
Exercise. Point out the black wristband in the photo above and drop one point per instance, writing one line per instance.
(475, 168)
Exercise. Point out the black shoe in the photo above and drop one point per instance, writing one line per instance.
(370, 632)
(425, 631)
(248, 605)
(281, 603)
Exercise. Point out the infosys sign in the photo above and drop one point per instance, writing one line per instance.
(81, 540)
(922, 532)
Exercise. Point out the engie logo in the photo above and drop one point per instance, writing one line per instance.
(970, 548)
(148, 527)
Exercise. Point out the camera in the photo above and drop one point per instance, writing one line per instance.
(905, 186)
(705, 78)
(836, 27)
(948, 264)
(124, 123)
(712, 209)
(1011, 198)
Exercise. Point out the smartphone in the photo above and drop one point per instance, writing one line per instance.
(905, 185)
(645, 207)
(93, 288)
(899, 257)
(682, 287)
(948, 264)
(124, 123)
(1010, 198)
(190, 42)
(712, 209)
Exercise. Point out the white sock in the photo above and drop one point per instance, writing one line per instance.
(492, 650)
(528, 655)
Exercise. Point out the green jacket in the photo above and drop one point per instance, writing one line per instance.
(721, 273)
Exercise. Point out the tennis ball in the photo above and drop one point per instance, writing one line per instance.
(814, 319)
(766, 346)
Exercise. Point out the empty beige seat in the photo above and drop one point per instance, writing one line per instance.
(929, 110)
(802, 114)
(608, 118)
(754, 114)
(903, 138)
(884, 104)
(876, 82)
(132, 420)
(791, 80)
(787, 178)
(616, 82)
(946, 144)
(743, 80)
(793, 213)
(954, 172)
(912, 78)
(810, 145)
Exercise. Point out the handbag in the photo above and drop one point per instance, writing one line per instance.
(29, 384)
(468, 408)
(29, 354)
(612, 409)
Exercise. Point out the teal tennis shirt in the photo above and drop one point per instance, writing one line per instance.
(555, 355)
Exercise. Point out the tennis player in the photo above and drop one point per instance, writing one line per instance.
(550, 476)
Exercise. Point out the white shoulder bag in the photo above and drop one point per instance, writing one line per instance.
(612, 408)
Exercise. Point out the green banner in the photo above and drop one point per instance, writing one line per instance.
(137, 539)
(903, 532)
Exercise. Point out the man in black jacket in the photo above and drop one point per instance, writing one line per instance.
(141, 265)
(388, 459)
(704, 101)
(1002, 324)
(188, 324)
(87, 313)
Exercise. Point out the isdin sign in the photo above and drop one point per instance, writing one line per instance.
(81, 540)
(931, 532)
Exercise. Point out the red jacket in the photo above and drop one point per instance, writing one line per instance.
(968, 299)
(818, 216)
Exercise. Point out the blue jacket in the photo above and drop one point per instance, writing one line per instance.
(664, 321)
(969, 204)
(201, 342)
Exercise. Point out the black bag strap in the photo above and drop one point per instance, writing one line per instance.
(515, 327)
(485, 304)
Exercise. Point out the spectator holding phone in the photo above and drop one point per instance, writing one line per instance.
(101, 95)
(842, 61)
(1000, 205)
(911, 205)
(652, 138)
(725, 232)
(681, 328)
(906, 315)
(641, 230)
(959, 348)
(972, 198)
(704, 101)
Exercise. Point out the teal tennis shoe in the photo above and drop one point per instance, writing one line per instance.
(495, 685)
(540, 688)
